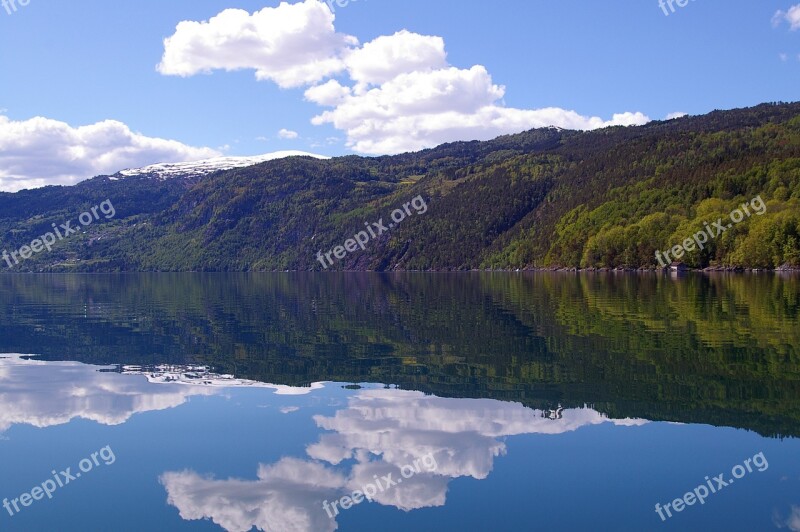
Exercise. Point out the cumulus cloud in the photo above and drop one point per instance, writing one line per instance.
(387, 57)
(287, 134)
(420, 110)
(41, 151)
(673, 116)
(292, 44)
(791, 16)
(406, 97)
(331, 93)
(402, 93)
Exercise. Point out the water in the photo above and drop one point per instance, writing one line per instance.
(510, 401)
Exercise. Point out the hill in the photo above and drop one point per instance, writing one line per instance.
(609, 198)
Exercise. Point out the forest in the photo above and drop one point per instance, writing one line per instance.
(546, 198)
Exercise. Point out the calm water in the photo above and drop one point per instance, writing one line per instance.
(463, 401)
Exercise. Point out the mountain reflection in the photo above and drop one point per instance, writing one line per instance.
(721, 350)
(377, 433)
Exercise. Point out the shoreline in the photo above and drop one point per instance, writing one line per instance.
(552, 269)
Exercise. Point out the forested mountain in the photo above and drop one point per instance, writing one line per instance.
(543, 198)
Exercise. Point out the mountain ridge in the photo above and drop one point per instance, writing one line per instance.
(208, 166)
(543, 198)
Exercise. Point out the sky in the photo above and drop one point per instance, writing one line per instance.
(90, 87)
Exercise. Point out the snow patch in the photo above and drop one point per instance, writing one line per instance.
(209, 166)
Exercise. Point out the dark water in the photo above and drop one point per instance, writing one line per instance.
(494, 401)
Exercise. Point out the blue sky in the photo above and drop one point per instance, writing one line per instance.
(82, 63)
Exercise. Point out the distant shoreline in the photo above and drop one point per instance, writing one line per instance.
(554, 269)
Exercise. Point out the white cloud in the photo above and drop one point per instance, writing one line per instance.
(420, 110)
(792, 16)
(287, 134)
(387, 57)
(41, 151)
(330, 94)
(402, 96)
(673, 116)
(292, 44)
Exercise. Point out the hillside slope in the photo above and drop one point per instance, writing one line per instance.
(543, 198)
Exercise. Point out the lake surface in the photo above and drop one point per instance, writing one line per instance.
(497, 402)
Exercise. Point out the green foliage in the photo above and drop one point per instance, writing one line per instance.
(547, 197)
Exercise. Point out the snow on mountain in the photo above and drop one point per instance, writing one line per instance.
(209, 166)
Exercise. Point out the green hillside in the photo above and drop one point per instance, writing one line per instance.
(545, 198)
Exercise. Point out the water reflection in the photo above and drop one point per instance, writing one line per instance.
(288, 496)
(45, 394)
(255, 455)
(719, 349)
(791, 523)
(378, 433)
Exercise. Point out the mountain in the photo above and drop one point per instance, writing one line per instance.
(608, 198)
(209, 166)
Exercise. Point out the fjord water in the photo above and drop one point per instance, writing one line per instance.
(547, 401)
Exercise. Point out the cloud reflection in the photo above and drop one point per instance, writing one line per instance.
(287, 496)
(45, 394)
(378, 432)
(792, 522)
